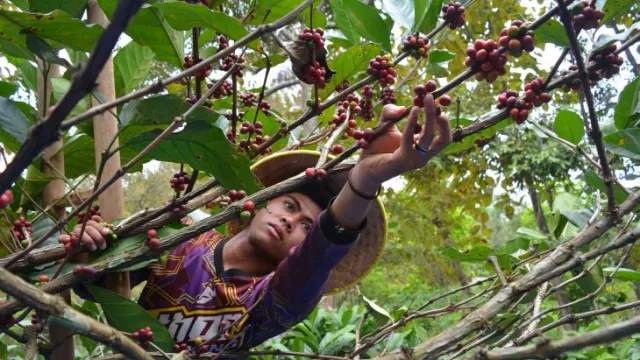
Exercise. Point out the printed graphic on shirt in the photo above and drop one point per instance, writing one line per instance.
(186, 326)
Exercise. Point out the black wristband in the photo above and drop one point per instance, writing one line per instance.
(358, 192)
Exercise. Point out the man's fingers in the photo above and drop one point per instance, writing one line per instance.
(407, 135)
(88, 241)
(98, 239)
(64, 238)
(445, 130)
(391, 112)
(429, 129)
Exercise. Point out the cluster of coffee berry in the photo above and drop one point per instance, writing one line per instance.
(319, 174)
(248, 98)
(247, 210)
(366, 104)
(342, 87)
(18, 225)
(235, 195)
(154, 242)
(315, 74)
(223, 41)
(388, 96)
(35, 319)
(6, 198)
(517, 38)
(608, 60)
(264, 106)
(179, 181)
(454, 14)
(143, 336)
(82, 270)
(315, 35)
(224, 90)
(535, 94)
(429, 87)
(93, 211)
(519, 108)
(227, 64)
(249, 128)
(200, 75)
(181, 347)
(351, 103)
(585, 16)
(485, 58)
(417, 46)
(382, 68)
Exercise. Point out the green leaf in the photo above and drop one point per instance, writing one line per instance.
(613, 8)
(204, 147)
(79, 155)
(531, 234)
(14, 126)
(624, 143)
(29, 76)
(377, 308)
(74, 8)
(438, 56)
(77, 57)
(183, 16)
(569, 126)
(594, 180)
(426, 15)
(579, 218)
(552, 32)
(7, 89)
(623, 274)
(131, 66)
(605, 40)
(125, 315)
(57, 26)
(275, 9)
(355, 18)
(519, 243)
(628, 109)
(348, 64)
(401, 11)
(45, 52)
(161, 110)
(475, 254)
(35, 181)
(275, 59)
(60, 86)
(149, 28)
(587, 283)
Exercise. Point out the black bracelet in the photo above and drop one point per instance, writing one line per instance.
(360, 194)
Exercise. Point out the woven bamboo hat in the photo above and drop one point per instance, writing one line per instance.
(360, 260)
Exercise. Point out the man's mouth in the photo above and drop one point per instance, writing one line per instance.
(276, 231)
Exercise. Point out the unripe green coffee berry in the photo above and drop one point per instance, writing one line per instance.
(245, 215)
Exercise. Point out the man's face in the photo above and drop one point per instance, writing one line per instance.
(283, 224)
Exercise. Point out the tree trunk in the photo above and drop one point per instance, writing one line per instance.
(52, 192)
(105, 128)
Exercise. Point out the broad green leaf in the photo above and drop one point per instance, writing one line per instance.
(60, 87)
(274, 59)
(328, 342)
(35, 182)
(44, 51)
(426, 15)
(605, 40)
(594, 180)
(125, 315)
(557, 224)
(74, 8)
(348, 64)
(117, 248)
(7, 89)
(184, 16)
(401, 11)
(339, 41)
(204, 147)
(79, 155)
(552, 32)
(41, 227)
(531, 234)
(623, 274)
(57, 26)
(131, 66)
(628, 109)
(161, 110)
(150, 28)
(438, 56)
(613, 8)
(29, 76)
(319, 18)
(377, 308)
(356, 19)
(579, 218)
(587, 283)
(624, 143)
(475, 254)
(275, 9)
(519, 243)
(77, 57)
(14, 126)
(569, 126)
(565, 201)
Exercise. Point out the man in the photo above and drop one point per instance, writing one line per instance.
(295, 250)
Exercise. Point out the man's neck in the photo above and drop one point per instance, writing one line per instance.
(240, 253)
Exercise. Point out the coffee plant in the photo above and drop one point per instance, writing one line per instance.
(91, 91)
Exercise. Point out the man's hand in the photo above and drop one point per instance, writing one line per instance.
(394, 153)
(94, 236)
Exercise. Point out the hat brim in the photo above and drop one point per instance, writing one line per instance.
(361, 259)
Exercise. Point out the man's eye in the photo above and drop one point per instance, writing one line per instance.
(288, 205)
(306, 226)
